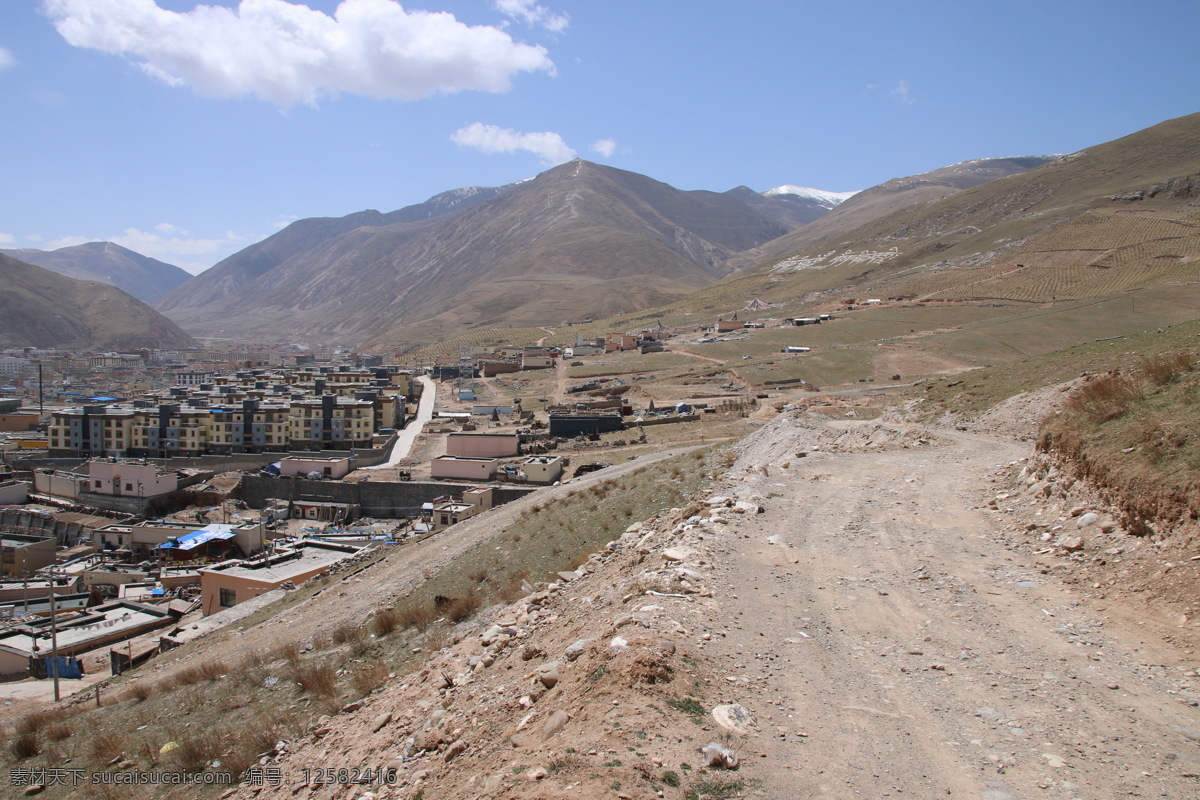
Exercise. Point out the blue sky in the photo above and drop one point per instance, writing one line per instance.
(187, 133)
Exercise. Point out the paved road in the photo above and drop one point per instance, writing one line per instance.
(406, 437)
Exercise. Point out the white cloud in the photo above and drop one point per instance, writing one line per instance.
(548, 146)
(7, 238)
(7, 59)
(531, 13)
(902, 93)
(67, 241)
(288, 53)
(604, 147)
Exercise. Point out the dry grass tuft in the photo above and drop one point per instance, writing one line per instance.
(1162, 368)
(1103, 398)
(414, 615)
(347, 634)
(457, 609)
(197, 750)
(140, 691)
(385, 621)
(317, 679)
(108, 744)
(24, 745)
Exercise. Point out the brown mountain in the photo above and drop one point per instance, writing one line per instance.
(893, 195)
(145, 278)
(1116, 220)
(1119, 215)
(40, 308)
(578, 240)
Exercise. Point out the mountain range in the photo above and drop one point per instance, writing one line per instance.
(580, 240)
(583, 241)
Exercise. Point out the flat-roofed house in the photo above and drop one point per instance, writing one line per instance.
(231, 582)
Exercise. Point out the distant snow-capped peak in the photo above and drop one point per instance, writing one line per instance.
(826, 199)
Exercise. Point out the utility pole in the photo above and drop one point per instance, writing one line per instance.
(54, 636)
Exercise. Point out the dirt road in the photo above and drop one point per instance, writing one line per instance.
(892, 646)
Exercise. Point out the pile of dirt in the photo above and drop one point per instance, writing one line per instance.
(1020, 416)
(793, 434)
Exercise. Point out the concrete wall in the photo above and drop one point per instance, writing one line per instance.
(227, 463)
(482, 445)
(59, 484)
(376, 498)
(470, 469)
(13, 493)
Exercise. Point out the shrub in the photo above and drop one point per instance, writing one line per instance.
(385, 621)
(412, 615)
(317, 679)
(58, 732)
(107, 745)
(289, 652)
(140, 691)
(369, 677)
(25, 745)
(460, 608)
(1161, 369)
(1104, 398)
(197, 751)
(348, 633)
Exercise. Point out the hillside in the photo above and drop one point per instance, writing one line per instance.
(899, 193)
(578, 240)
(147, 279)
(40, 308)
(1117, 216)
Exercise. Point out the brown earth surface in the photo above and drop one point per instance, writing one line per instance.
(885, 621)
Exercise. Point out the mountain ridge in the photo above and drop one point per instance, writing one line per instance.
(141, 276)
(40, 308)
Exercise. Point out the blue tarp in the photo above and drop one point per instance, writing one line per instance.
(194, 539)
(67, 667)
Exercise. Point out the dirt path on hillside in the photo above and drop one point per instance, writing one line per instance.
(891, 646)
(697, 356)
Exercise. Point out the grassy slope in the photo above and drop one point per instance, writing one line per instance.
(1135, 433)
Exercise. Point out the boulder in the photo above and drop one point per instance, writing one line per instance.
(736, 718)
(677, 553)
(548, 674)
(1071, 544)
(576, 649)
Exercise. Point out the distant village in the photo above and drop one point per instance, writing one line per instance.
(146, 498)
